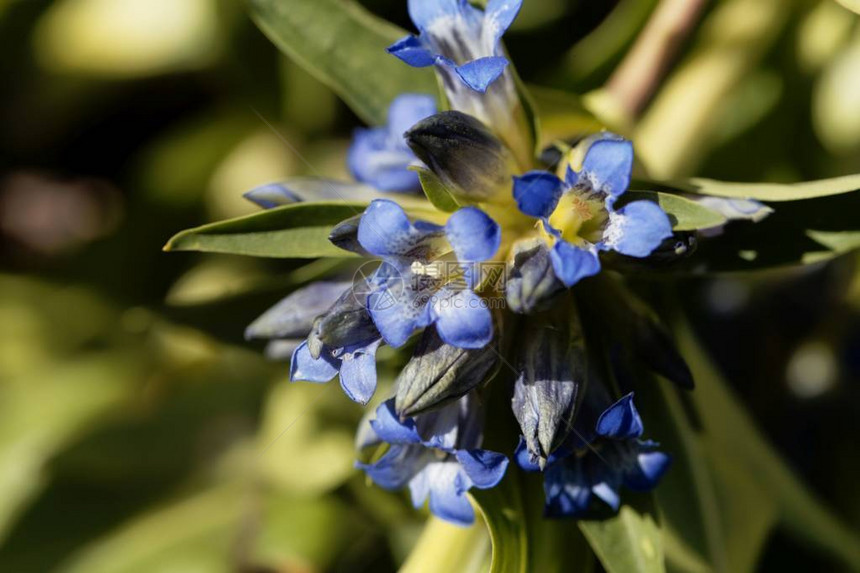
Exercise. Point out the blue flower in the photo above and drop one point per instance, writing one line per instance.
(579, 215)
(458, 37)
(598, 463)
(419, 291)
(464, 45)
(437, 456)
(343, 341)
(379, 156)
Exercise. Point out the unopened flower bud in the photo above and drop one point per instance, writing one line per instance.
(464, 154)
(439, 373)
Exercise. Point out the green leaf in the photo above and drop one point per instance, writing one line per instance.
(796, 233)
(769, 192)
(685, 215)
(630, 542)
(839, 242)
(343, 45)
(436, 192)
(293, 231)
(446, 547)
(503, 511)
(686, 497)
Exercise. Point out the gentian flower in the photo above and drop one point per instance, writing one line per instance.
(598, 462)
(379, 156)
(464, 43)
(422, 296)
(579, 217)
(343, 341)
(437, 456)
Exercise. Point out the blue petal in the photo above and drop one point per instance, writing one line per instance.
(412, 51)
(448, 488)
(637, 229)
(462, 319)
(568, 493)
(391, 429)
(608, 165)
(440, 429)
(406, 110)
(306, 368)
(358, 372)
(499, 15)
(650, 467)
(571, 177)
(425, 12)
(484, 468)
(608, 494)
(537, 193)
(419, 487)
(397, 467)
(400, 306)
(385, 230)
(375, 159)
(473, 235)
(524, 458)
(271, 196)
(572, 264)
(620, 421)
(479, 74)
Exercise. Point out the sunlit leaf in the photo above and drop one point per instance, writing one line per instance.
(629, 542)
(344, 46)
(502, 509)
(685, 215)
(293, 231)
(770, 192)
(465, 549)
(436, 191)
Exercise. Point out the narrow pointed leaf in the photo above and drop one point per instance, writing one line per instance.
(684, 214)
(297, 231)
(769, 192)
(343, 45)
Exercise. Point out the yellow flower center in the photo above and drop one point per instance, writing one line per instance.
(579, 220)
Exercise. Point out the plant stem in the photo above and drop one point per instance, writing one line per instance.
(637, 77)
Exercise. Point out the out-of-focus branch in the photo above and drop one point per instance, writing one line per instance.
(634, 82)
(676, 132)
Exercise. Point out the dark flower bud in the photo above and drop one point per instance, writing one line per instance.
(346, 323)
(464, 154)
(293, 317)
(439, 373)
(552, 374)
(344, 236)
(531, 281)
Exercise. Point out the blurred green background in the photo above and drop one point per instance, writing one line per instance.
(140, 432)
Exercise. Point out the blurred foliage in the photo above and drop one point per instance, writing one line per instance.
(139, 432)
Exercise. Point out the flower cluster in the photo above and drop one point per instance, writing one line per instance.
(548, 227)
